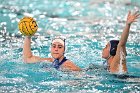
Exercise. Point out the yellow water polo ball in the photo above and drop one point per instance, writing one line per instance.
(27, 26)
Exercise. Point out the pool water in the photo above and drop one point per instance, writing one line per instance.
(87, 25)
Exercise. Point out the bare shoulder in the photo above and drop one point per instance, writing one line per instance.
(119, 57)
(121, 51)
(70, 65)
(68, 62)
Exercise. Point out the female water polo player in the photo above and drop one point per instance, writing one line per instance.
(57, 51)
(115, 50)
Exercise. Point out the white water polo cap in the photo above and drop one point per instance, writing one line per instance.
(60, 40)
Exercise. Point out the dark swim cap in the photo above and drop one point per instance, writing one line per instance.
(113, 47)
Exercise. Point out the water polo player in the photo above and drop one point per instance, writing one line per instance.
(57, 51)
(115, 50)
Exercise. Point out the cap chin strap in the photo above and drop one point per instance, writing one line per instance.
(105, 63)
(108, 57)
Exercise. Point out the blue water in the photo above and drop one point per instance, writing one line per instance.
(88, 25)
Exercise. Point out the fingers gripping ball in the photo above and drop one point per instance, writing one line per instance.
(27, 26)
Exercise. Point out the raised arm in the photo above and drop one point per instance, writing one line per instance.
(27, 54)
(121, 49)
(130, 19)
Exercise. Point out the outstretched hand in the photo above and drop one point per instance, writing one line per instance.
(132, 17)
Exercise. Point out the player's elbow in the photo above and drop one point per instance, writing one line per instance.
(26, 60)
(76, 69)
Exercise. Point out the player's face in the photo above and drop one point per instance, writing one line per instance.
(57, 50)
(105, 52)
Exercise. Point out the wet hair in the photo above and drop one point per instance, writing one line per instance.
(113, 47)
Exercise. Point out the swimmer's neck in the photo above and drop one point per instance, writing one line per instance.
(61, 58)
(109, 60)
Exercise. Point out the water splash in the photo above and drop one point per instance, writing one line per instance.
(122, 58)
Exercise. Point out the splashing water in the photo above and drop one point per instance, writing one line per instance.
(122, 58)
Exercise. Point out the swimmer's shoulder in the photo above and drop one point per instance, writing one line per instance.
(68, 62)
(70, 65)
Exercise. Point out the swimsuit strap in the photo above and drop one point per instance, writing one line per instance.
(64, 59)
(57, 64)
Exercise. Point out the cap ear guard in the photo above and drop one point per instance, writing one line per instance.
(50, 48)
(113, 47)
(113, 51)
(65, 49)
